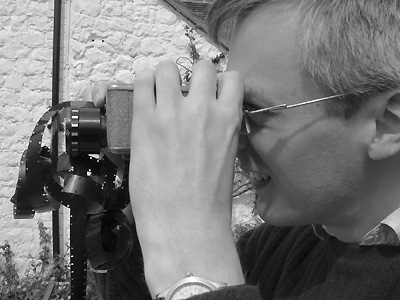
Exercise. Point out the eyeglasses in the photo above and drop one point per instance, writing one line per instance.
(245, 129)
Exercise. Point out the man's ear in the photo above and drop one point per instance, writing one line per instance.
(386, 141)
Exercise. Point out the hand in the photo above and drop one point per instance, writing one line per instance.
(181, 173)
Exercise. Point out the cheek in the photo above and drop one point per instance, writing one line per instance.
(316, 163)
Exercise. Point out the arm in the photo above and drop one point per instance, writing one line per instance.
(181, 172)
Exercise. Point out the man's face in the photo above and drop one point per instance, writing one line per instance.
(312, 164)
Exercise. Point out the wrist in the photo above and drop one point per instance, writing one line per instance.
(166, 262)
(188, 287)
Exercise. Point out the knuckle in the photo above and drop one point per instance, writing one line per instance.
(165, 67)
(166, 64)
(232, 75)
(203, 65)
(167, 74)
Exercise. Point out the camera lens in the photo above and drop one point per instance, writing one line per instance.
(85, 130)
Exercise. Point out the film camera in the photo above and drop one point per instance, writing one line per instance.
(87, 129)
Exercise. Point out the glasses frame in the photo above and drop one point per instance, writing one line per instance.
(275, 108)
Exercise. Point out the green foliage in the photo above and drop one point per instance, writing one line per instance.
(243, 184)
(242, 228)
(194, 54)
(242, 181)
(40, 273)
(186, 63)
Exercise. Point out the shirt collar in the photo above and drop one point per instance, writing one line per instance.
(387, 232)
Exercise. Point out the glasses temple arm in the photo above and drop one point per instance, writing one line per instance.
(267, 109)
(314, 101)
(286, 106)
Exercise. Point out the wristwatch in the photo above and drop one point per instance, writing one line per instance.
(188, 287)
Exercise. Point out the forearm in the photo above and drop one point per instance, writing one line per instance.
(181, 172)
(169, 256)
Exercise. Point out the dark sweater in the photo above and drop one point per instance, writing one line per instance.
(293, 263)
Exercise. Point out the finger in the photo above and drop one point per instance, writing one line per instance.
(168, 84)
(99, 92)
(231, 88)
(143, 92)
(204, 80)
(87, 93)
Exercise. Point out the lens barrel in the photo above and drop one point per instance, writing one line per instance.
(85, 130)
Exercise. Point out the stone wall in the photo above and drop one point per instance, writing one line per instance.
(108, 40)
(25, 91)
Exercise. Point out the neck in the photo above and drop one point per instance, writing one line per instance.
(377, 202)
(348, 235)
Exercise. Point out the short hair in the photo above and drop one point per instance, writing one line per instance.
(348, 46)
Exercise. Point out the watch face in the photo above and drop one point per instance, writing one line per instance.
(188, 290)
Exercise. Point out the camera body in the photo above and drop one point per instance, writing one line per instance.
(85, 130)
(119, 112)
